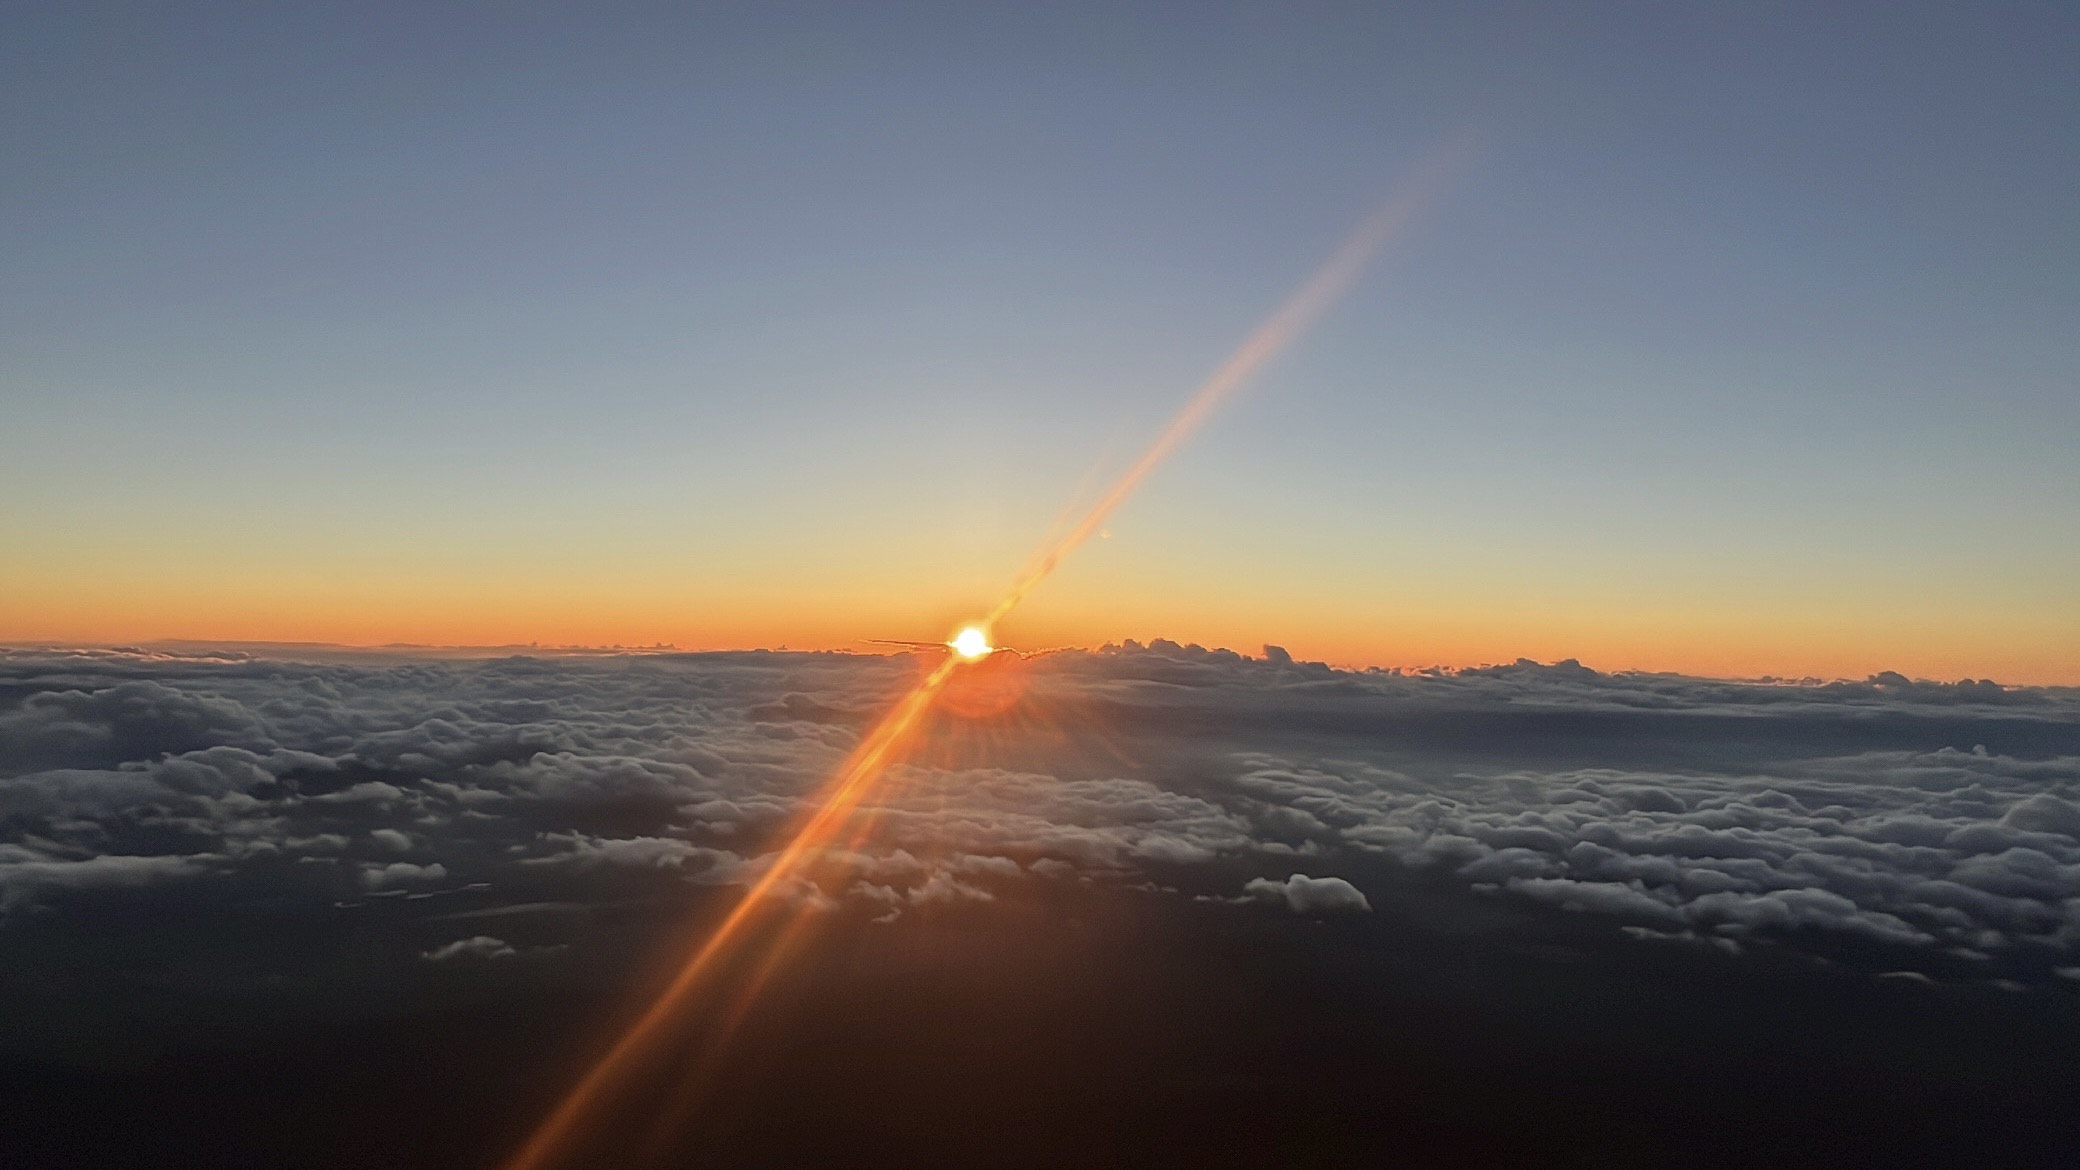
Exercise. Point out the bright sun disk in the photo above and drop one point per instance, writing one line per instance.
(971, 643)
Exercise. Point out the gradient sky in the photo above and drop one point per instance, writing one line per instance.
(1748, 344)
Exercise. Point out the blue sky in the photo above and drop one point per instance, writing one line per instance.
(1760, 321)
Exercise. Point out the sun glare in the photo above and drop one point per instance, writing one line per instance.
(971, 644)
(891, 740)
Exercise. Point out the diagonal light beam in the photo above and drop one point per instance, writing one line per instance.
(883, 745)
(1272, 337)
(858, 774)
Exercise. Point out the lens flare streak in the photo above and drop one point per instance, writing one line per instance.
(881, 747)
(858, 774)
(1277, 332)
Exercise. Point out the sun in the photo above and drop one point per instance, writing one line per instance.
(971, 644)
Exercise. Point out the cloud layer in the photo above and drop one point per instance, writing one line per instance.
(1928, 827)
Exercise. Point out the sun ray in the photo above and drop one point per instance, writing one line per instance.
(859, 772)
(864, 767)
(1270, 338)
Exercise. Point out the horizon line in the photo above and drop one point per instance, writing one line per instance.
(521, 649)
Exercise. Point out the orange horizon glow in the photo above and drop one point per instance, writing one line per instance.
(1732, 665)
(2017, 652)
